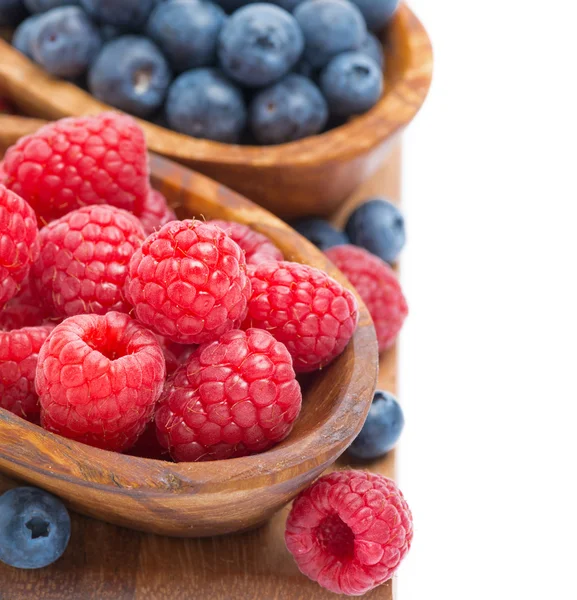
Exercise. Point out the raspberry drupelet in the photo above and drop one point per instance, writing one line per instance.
(98, 378)
(233, 397)
(155, 213)
(23, 310)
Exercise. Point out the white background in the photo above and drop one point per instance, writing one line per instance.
(488, 459)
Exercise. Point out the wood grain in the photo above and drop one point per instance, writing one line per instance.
(310, 176)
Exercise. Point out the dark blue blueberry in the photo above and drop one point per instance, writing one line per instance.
(259, 44)
(130, 15)
(64, 41)
(24, 34)
(372, 47)
(379, 227)
(377, 13)
(321, 233)
(187, 32)
(289, 110)
(12, 12)
(109, 32)
(132, 74)
(352, 83)
(203, 103)
(381, 430)
(40, 6)
(34, 528)
(304, 68)
(329, 27)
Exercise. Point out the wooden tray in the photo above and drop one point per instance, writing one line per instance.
(104, 562)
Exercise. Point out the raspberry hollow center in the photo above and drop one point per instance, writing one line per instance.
(108, 345)
(336, 537)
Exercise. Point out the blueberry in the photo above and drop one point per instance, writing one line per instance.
(352, 83)
(289, 110)
(259, 44)
(329, 27)
(130, 73)
(230, 6)
(34, 528)
(12, 12)
(24, 33)
(381, 430)
(321, 233)
(109, 32)
(204, 104)
(289, 5)
(64, 41)
(130, 15)
(187, 32)
(377, 13)
(372, 47)
(378, 226)
(40, 6)
(304, 68)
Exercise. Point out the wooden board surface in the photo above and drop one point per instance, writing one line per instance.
(104, 562)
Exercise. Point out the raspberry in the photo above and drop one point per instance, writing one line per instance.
(256, 246)
(84, 259)
(80, 161)
(98, 379)
(305, 309)
(233, 397)
(148, 446)
(378, 286)
(188, 282)
(18, 242)
(18, 358)
(349, 531)
(174, 354)
(155, 212)
(23, 310)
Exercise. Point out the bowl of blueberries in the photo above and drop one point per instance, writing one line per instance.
(293, 103)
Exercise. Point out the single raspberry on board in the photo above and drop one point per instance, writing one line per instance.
(256, 246)
(18, 242)
(233, 397)
(188, 282)
(83, 260)
(305, 309)
(155, 212)
(378, 286)
(23, 310)
(349, 531)
(80, 161)
(19, 350)
(98, 378)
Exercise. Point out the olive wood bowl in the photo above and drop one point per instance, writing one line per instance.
(205, 498)
(306, 177)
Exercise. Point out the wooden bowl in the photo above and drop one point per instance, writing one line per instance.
(209, 498)
(310, 176)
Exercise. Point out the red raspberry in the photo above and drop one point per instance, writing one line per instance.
(148, 446)
(99, 378)
(257, 247)
(84, 259)
(188, 282)
(233, 397)
(155, 213)
(377, 285)
(23, 310)
(349, 531)
(18, 358)
(18, 242)
(305, 309)
(174, 354)
(80, 161)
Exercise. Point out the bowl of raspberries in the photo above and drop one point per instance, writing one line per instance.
(292, 102)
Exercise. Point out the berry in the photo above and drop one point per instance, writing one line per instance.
(98, 378)
(349, 531)
(64, 41)
(234, 396)
(305, 309)
(187, 32)
(257, 247)
(288, 5)
(230, 6)
(34, 528)
(18, 242)
(12, 12)
(24, 33)
(377, 13)
(289, 110)
(174, 354)
(329, 28)
(78, 161)
(155, 212)
(148, 446)
(379, 288)
(381, 430)
(352, 83)
(378, 226)
(109, 32)
(84, 258)
(373, 49)
(259, 44)
(130, 15)
(188, 282)
(204, 104)
(23, 310)
(130, 73)
(321, 233)
(41, 6)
